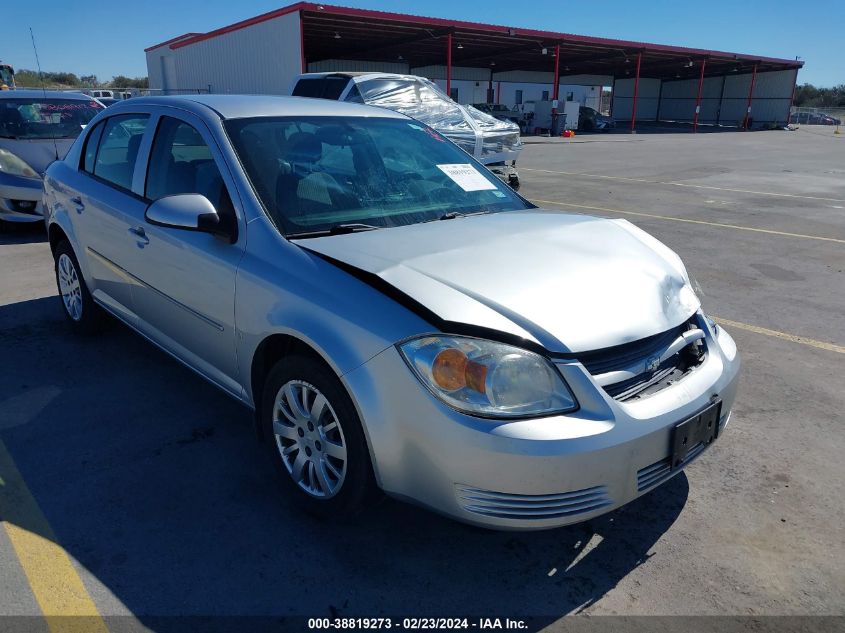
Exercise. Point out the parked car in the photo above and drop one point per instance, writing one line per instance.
(495, 143)
(108, 101)
(813, 118)
(590, 119)
(499, 111)
(36, 128)
(397, 317)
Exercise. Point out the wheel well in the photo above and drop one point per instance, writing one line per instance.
(55, 235)
(269, 352)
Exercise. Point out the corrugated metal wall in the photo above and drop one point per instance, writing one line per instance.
(341, 65)
(458, 72)
(677, 100)
(647, 98)
(772, 97)
(587, 80)
(724, 99)
(262, 58)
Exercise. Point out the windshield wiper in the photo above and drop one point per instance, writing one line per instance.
(337, 229)
(451, 215)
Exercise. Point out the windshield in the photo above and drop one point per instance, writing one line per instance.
(45, 118)
(314, 173)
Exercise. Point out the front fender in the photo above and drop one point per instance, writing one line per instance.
(284, 289)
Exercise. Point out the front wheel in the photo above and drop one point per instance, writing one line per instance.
(84, 315)
(315, 439)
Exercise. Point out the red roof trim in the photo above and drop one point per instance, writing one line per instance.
(479, 26)
(264, 17)
(171, 41)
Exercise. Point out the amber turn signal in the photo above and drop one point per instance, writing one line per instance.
(452, 370)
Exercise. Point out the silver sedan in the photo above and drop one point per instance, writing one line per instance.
(398, 319)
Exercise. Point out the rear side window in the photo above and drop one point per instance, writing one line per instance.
(308, 88)
(321, 87)
(91, 144)
(334, 87)
(118, 150)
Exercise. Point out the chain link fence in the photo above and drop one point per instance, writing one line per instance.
(819, 120)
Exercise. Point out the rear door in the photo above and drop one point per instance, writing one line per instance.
(185, 295)
(106, 206)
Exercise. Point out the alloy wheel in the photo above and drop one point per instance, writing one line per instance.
(310, 439)
(70, 287)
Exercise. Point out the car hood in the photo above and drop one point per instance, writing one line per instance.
(37, 153)
(565, 281)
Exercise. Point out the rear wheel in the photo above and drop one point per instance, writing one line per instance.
(316, 440)
(78, 306)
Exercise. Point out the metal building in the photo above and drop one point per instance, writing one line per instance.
(479, 62)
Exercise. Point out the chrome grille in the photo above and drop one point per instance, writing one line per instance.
(517, 506)
(643, 367)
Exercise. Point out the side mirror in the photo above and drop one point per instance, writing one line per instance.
(190, 212)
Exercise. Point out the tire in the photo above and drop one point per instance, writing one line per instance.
(322, 460)
(83, 314)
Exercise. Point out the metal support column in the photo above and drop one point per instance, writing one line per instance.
(636, 92)
(698, 98)
(750, 97)
(555, 87)
(449, 64)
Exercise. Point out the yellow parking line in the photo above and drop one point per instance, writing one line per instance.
(690, 221)
(57, 587)
(682, 184)
(803, 340)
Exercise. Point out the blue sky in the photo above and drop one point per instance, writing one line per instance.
(108, 37)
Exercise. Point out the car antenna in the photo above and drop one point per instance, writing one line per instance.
(43, 89)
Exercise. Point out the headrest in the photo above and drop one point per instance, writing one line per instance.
(304, 148)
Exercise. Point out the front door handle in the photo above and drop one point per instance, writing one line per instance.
(141, 234)
(77, 201)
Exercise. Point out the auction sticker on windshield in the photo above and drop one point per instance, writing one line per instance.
(466, 177)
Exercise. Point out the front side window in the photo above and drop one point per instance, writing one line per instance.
(35, 118)
(314, 173)
(182, 162)
(118, 150)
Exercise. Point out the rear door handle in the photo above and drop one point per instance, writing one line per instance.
(141, 234)
(77, 201)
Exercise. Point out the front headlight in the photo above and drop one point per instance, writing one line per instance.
(11, 164)
(486, 378)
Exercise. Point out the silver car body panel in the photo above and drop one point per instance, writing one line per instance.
(561, 282)
(573, 282)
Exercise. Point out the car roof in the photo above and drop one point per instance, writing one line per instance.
(44, 94)
(244, 106)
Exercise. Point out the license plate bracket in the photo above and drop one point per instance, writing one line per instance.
(701, 428)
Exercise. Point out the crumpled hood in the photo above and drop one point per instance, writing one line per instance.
(37, 153)
(566, 281)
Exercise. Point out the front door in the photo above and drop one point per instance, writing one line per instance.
(185, 298)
